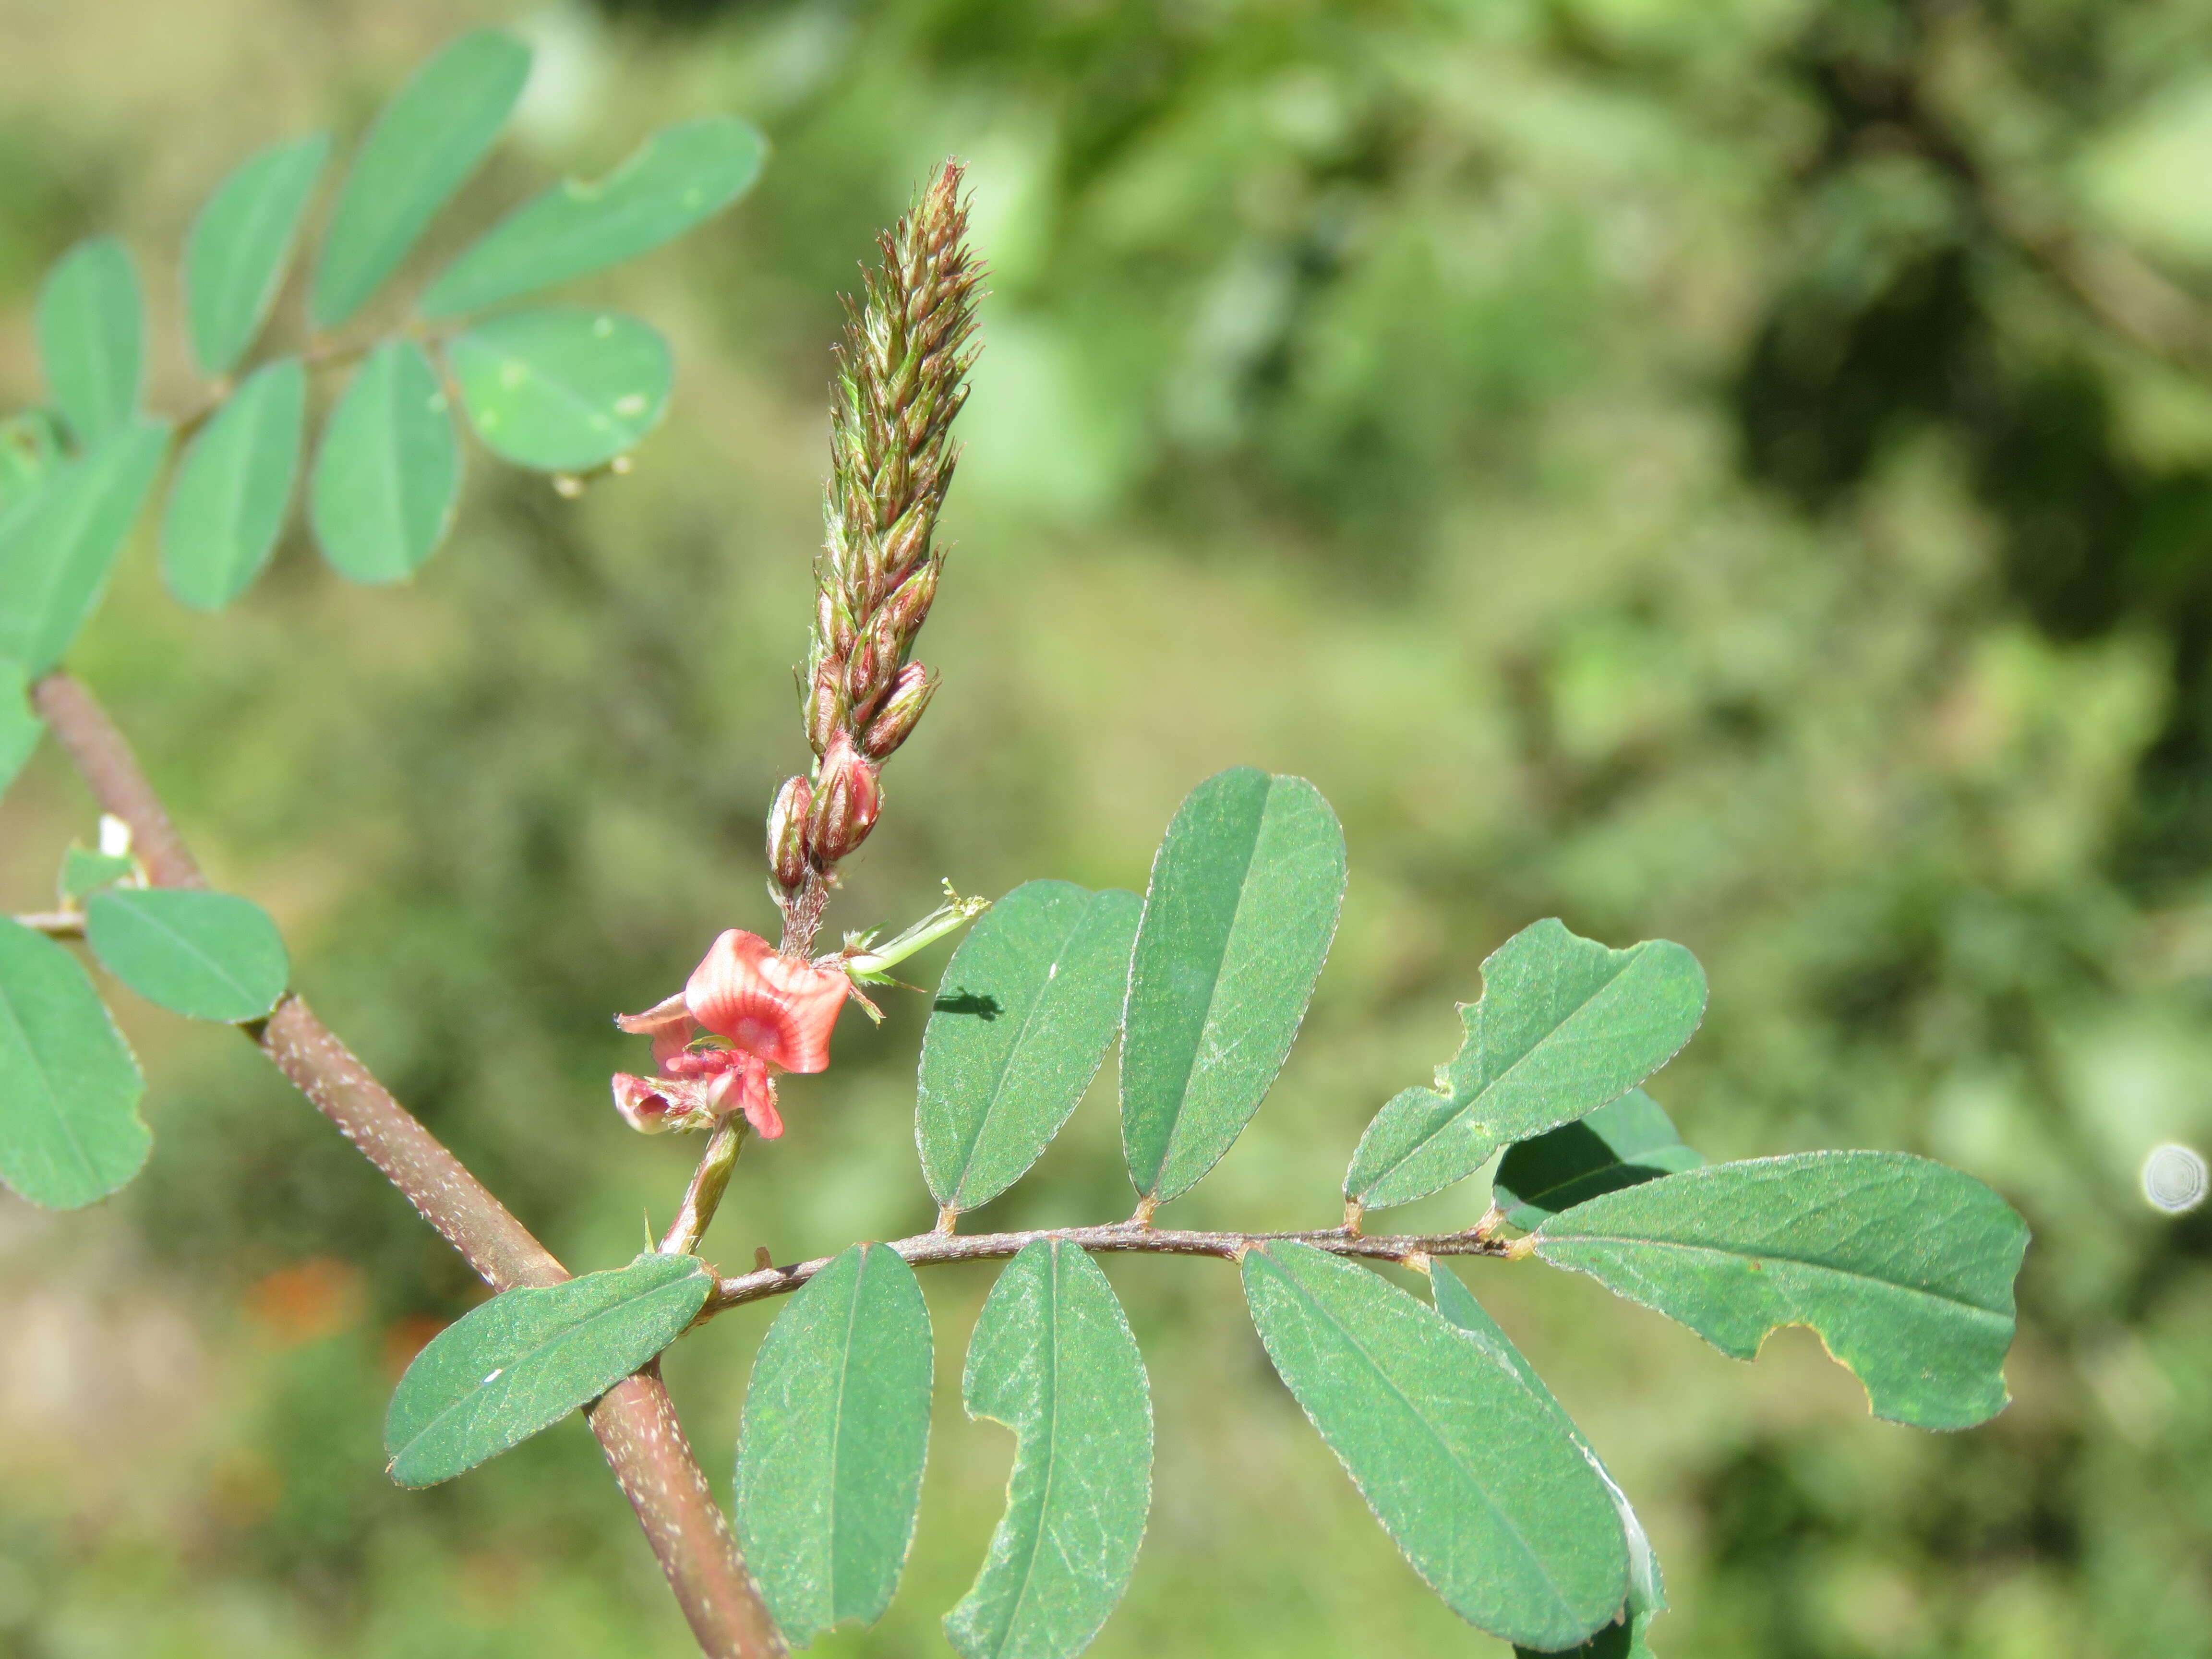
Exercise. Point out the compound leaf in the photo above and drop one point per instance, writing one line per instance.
(69, 1131)
(422, 146)
(561, 390)
(1627, 1142)
(205, 956)
(679, 177)
(1052, 1358)
(1242, 904)
(1905, 1268)
(1563, 1026)
(1473, 1475)
(234, 486)
(1029, 1006)
(92, 338)
(835, 1437)
(389, 470)
(235, 251)
(524, 1360)
(59, 543)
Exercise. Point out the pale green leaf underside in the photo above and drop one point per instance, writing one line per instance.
(1475, 1477)
(92, 328)
(234, 486)
(69, 1131)
(1622, 1144)
(1028, 1007)
(561, 390)
(30, 449)
(235, 252)
(1564, 1025)
(422, 146)
(58, 545)
(835, 1439)
(1242, 904)
(526, 1359)
(1052, 1358)
(1905, 1268)
(389, 468)
(206, 955)
(677, 178)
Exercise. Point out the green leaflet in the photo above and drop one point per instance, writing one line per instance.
(20, 727)
(92, 327)
(1626, 1143)
(235, 251)
(1052, 1358)
(389, 470)
(234, 486)
(206, 955)
(1474, 1475)
(1028, 1007)
(30, 448)
(59, 543)
(1238, 920)
(1626, 1640)
(84, 873)
(1563, 1026)
(526, 1359)
(835, 1437)
(679, 177)
(422, 146)
(69, 1131)
(561, 390)
(1903, 1266)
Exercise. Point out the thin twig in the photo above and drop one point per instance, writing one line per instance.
(55, 924)
(635, 1421)
(709, 1182)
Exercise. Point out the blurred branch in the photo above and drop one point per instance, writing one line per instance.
(54, 924)
(635, 1421)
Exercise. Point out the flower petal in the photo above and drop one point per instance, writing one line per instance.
(643, 1105)
(777, 1007)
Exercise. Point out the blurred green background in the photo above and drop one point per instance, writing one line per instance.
(1738, 470)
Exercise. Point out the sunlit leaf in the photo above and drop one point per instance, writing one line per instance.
(422, 146)
(835, 1437)
(92, 338)
(69, 1131)
(1626, 1639)
(1052, 1358)
(236, 250)
(84, 873)
(234, 486)
(524, 1360)
(1904, 1268)
(206, 955)
(30, 448)
(1243, 904)
(561, 390)
(1621, 1145)
(679, 177)
(58, 545)
(1563, 1026)
(1473, 1475)
(389, 470)
(1028, 1007)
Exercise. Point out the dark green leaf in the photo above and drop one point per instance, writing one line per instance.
(1626, 1640)
(389, 470)
(30, 448)
(679, 177)
(1474, 1475)
(92, 329)
(836, 1434)
(1563, 1026)
(69, 1131)
(20, 727)
(1053, 1360)
(1028, 1007)
(562, 390)
(234, 486)
(1242, 904)
(524, 1360)
(58, 545)
(235, 252)
(84, 873)
(422, 145)
(206, 955)
(1904, 1268)
(1623, 1144)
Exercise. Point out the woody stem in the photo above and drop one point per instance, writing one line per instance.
(709, 1182)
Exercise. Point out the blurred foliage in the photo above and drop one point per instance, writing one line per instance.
(1737, 471)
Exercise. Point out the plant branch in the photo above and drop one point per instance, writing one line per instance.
(935, 1249)
(55, 924)
(635, 1421)
(709, 1182)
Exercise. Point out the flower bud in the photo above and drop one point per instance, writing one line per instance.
(787, 833)
(910, 605)
(874, 663)
(825, 706)
(900, 711)
(847, 799)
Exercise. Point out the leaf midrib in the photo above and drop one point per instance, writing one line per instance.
(1050, 1394)
(153, 921)
(999, 1075)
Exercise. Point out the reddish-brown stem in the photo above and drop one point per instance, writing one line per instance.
(635, 1421)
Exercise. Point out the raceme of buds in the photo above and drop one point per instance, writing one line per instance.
(787, 832)
(847, 799)
(901, 708)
